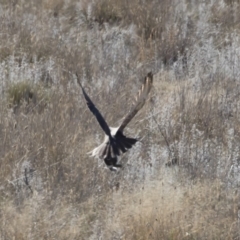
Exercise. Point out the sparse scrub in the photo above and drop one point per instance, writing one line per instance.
(50, 188)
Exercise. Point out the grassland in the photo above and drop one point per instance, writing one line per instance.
(181, 181)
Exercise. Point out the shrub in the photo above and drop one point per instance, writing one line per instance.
(28, 94)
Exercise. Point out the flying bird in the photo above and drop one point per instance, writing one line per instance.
(115, 142)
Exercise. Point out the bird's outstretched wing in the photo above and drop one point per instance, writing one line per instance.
(140, 100)
(94, 110)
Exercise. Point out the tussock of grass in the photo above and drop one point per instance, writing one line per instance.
(20, 92)
(27, 94)
(106, 12)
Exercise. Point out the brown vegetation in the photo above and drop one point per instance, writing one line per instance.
(50, 188)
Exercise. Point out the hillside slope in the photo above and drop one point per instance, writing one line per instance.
(181, 180)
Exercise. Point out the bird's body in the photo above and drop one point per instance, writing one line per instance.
(115, 142)
(112, 147)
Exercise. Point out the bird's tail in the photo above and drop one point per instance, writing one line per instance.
(122, 143)
(109, 150)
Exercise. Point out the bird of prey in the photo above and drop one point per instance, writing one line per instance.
(115, 142)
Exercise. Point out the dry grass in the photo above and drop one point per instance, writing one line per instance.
(50, 188)
(177, 212)
(159, 210)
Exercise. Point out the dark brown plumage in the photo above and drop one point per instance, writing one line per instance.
(115, 143)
